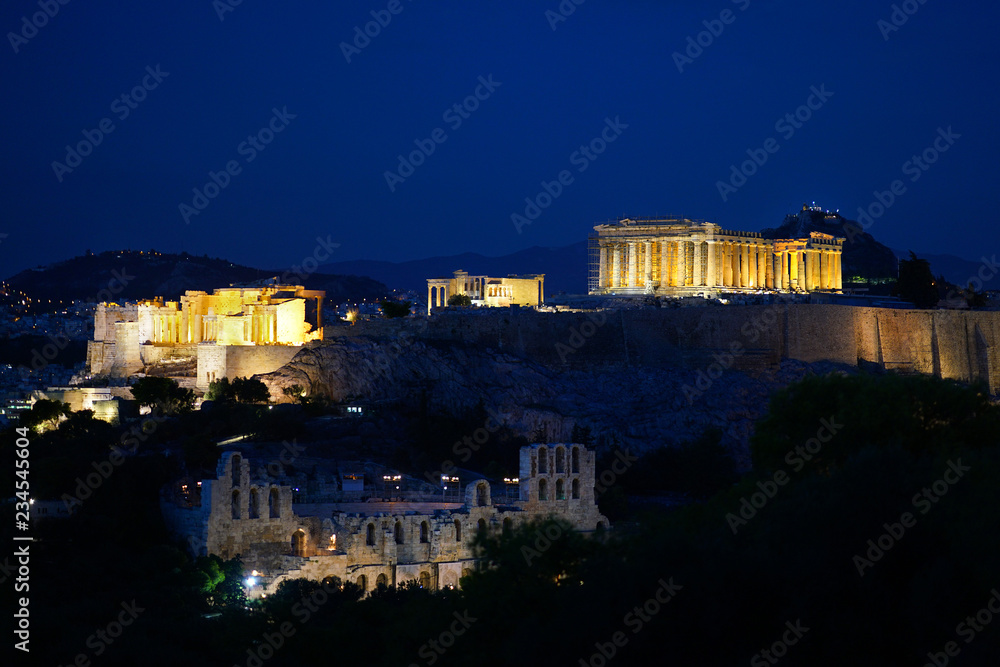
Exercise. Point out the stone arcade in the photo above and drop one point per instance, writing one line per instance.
(244, 512)
(681, 257)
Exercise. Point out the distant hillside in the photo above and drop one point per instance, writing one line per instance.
(565, 268)
(954, 269)
(144, 275)
(863, 257)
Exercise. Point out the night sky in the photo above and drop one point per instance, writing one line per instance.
(608, 67)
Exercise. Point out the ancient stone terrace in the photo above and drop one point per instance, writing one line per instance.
(375, 543)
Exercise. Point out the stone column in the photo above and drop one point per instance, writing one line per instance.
(696, 274)
(810, 258)
(648, 274)
(616, 267)
(727, 264)
(664, 264)
(679, 260)
(761, 266)
(633, 268)
(752, 265)
(801, 269)
(769, 268)
(711, 280)
(838, 275)
(744, 265)
(736, 263)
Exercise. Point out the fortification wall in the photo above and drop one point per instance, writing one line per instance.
(952, 344)
(250, 360)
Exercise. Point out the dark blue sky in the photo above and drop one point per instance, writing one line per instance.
(324, 173)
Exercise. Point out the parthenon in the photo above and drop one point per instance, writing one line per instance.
(681, 257)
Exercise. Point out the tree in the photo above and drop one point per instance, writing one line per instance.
(220, 391)
(459, 300)
(392, 309)
(45, 413)
(250, 390)
(163, 392)
(973, 298)
(916, 282)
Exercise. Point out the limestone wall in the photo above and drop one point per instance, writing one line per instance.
(250, 360)
(952, 344)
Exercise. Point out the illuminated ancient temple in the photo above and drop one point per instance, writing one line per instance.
(681, 257)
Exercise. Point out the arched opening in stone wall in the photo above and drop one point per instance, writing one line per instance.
(425, 579)
(299, 543)
(235, 470)
(576, 489)
(560, 460)
(482, 526)
(363, 583)
(236, 503)
(543, 489)
(398, 532)
(381, 580)
(560, 489)
(274, 504)
(507, 526)
(481, 494)
(254, 504)
(575, 466)
(425, 532)
(458, 530)
(543, 461)
(370, 535)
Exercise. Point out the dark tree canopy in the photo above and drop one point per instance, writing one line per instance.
(916, 282)
(163, 392)
(391, 309)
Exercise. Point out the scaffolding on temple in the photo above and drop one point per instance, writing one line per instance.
(593, 263)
